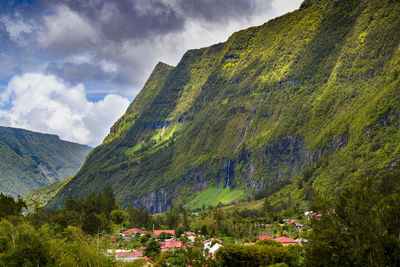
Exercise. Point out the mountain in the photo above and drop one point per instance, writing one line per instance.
(30, 160)
(306, 102)
(42, 195)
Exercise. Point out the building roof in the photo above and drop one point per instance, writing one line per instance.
(171, 244)
(149, 260)
(285, 240)
(135, 230)
(135, 254)
(158, 232)
(265, 237)
(212, 239)
(190, 234)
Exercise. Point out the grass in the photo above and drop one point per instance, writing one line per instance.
(214, 195)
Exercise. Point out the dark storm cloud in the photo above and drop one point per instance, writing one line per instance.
(142, 19)
(124, 19)
(132, 34)
(77, 73)
(217, 10)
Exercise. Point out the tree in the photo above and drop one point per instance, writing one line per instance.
(10, 207)
(360, 227)
(117, 216)
(256, 255)
(152, 250)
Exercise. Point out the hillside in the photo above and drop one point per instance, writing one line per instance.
(42, 195)
(306, 102)
(30, 160)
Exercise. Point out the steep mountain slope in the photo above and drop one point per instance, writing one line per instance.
(310, 97)
(42, 195)
(30, 160)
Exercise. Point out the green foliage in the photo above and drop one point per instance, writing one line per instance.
(42, 195)
(360, 226)
(213, 196)
(240, 255)
(118, 216)
(22, 245)
(10, 207)
(269, 242)
(153, 249)
(139, 218)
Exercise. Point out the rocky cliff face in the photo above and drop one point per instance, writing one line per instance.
(308, 97)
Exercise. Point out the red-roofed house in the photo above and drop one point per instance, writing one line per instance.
(264, 237)
(191, 236)
(133, 231)
(128, 256)
(171, 245)
(286, 241)
(298, 225)
(158, 232)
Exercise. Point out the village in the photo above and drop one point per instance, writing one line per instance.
(147, 244)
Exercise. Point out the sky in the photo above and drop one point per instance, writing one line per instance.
(72, 67)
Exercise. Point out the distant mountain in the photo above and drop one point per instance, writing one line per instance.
(306, 102)
(30, 160)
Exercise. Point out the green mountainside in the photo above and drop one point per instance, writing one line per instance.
(306, 102)
(42, 195)
(30, 160)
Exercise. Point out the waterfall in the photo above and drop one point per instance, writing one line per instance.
(229, 175)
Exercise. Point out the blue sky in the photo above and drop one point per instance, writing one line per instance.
(71, 67)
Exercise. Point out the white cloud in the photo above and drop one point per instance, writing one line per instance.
(16, 28)
(44, 103)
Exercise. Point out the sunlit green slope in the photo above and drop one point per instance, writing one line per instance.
(310, 97)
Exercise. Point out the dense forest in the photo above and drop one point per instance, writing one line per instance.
(359, 227)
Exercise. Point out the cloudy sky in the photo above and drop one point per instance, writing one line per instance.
(71, 67)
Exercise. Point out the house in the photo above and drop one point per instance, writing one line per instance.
(301, 241)
(191, 236)
(134, 231)
(195, 214)
(264, 237)
(286, 241)
(298, 225)
(171, 245)
(211, 240)
(309, 214)
(293, 220)
(128, 256)
(159, 232)
(212, 248)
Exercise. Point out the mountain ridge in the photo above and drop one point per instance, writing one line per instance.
(307, 98)
(30, 159)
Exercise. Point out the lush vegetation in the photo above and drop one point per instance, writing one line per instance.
(360, 227)
(301, 104)
(42, 195)
(30, 160)
(213, 196)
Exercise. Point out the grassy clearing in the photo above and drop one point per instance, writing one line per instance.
(213, 195)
